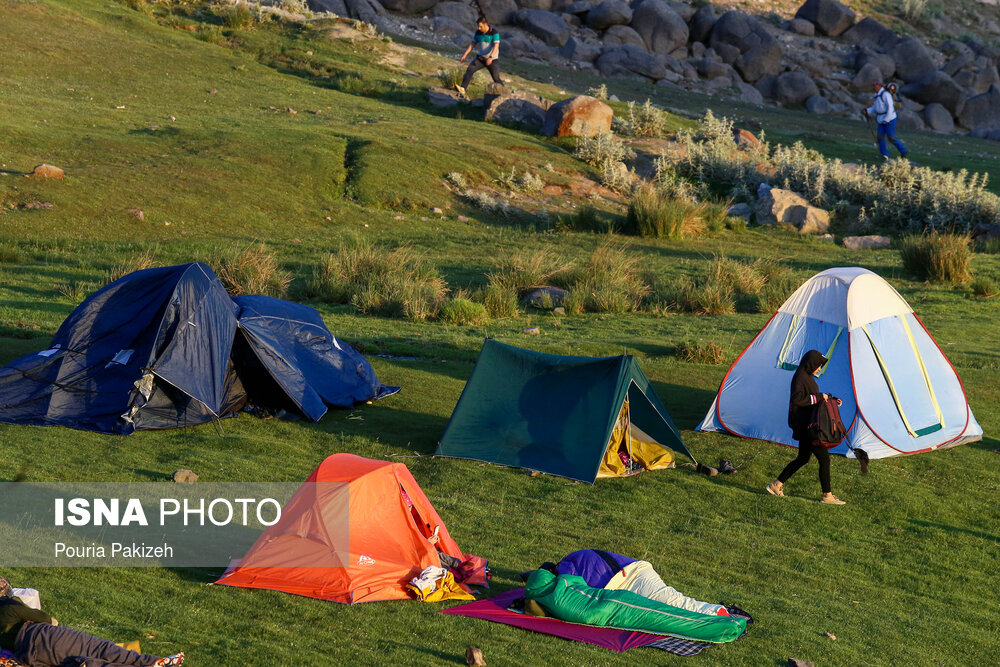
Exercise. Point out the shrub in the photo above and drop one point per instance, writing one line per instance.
(500, 301)
(653, 214)
(919, 10)
(524, 269)
(615, 176)
(701, 353)
(584, 219)
(456, 178)
(137, 262)
(252, 270)
(712, 299)
(489, 203)
(10, 253)
(938, 257)
(983, 288)
(600, 92)
(236, 17)
(609, 282)
(394, 282)
(352, 84)
(450, 78)
(524, 182)
(644, 121)
(74, 290)
(463, 311)
(601, 148)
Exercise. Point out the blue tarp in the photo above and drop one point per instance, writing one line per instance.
(166, 347)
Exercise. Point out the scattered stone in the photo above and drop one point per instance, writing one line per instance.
(778, 206)
(745, 139)
(437, 209)
(531, 331)
(552, 190)
(577, 117)
(39, 205)
(866, 242)
(558, 310)
(800, 27)
(136, 212)
(826, 238)
(830, 17)
(740, 210)
(171, 118)
(48, 171)
(463, 218)
(185, 476)
(292, 111)
(795, 662)
(544, 297)
(398, 217)
(442, 97)
(830, 635)
(532, 473)
(474, 657)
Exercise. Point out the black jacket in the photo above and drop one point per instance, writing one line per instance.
(804, 393)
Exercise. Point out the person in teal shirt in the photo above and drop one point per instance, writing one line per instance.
(486, 43)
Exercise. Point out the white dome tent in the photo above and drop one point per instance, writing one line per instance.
(901, 394)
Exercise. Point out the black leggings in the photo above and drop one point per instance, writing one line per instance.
(805, 451)
(44, 645)
(476, 65)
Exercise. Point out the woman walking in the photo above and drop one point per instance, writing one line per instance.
(804, 395)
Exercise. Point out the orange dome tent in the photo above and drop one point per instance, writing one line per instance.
(355, 531)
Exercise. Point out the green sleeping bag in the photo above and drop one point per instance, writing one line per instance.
(569, 598)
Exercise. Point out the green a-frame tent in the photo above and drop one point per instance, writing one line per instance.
(562, 415)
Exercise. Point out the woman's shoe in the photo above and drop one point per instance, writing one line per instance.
(831, 499)
(775, 488)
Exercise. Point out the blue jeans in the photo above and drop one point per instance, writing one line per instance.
(889, 130)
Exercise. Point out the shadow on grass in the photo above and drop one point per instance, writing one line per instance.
(955, 529)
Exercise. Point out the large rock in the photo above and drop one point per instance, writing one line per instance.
(701, 23)
(523, 108)
(443, 25)
(829, 16)
(577, 51)
(457, 11)
(622, 34)
(907, 119)
(865, 242)
(609, 13)
(938, 118)
(498, 12)
(936, 87)
(866, 76)
(982, 111)
(443, 97)
(524, 47)
(760, 53)
(548, 27)
(408, 6)
(683, 9)
(749, 93)
(337, 7)
(882, 61)
(818, 104)
(47, 171)
(545, 297)
(778, 206)
(872, 33)
(793, 88)
(661, 27)
(544, 5)
(913, 60)
(800, 27)
(627, 60)
(580, 116)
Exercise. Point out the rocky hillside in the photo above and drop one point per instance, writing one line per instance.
(821, 56)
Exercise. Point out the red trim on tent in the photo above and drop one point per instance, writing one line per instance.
(718, 399)
(926, 449)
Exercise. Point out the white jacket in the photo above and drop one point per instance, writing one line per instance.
(884, 107)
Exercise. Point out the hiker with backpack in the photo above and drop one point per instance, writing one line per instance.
(805, 395)
(486, 42)
(884, 110)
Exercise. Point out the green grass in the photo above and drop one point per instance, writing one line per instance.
(911, 557)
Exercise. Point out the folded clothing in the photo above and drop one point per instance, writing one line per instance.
(569, 598)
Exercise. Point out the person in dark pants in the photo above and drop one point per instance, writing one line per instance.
(805, 394)
(37, 640)
(486, 43)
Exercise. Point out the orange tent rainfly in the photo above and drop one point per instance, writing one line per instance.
(356, 531)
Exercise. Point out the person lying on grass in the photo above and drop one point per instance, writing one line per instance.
(37, 640)
(805, 394)
(486, 42)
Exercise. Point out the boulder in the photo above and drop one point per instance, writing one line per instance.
(661, 27)
(609, 13)
(369, 11)
(443, 97)
(909, 120)
(960, 61)
(829, 16)
(622, 34)
(953, 47)
(185, 476)
(47, 171)
(578, 8)
(524, 47)
(628, 60)
(408, 6)
(337, 7)
(986, 133)
(866, 76)
(792, 89)
(740, 210)
(683, 9)
(765, 85)
(749, 93)
(548, 27)
(936, 87)
(745, 139)
(545, 297)
(544, 5)
(984, 78)
(913, 60)
(800, 27)
(865, 242)
(576, 51)
(938, 118)
(701, 23)
(982, 111)
(778, 206)
(882, 61)
(708, 68)
(443, 25)
(498, 12)
(580, 116)
(872, 33)
(457, 11)
(760, 53)
(523, 108)
(818, 104)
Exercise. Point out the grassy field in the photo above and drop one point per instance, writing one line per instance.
(905, 574)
